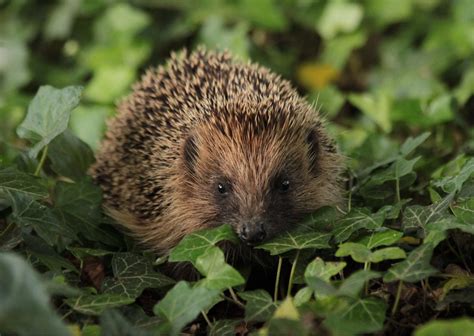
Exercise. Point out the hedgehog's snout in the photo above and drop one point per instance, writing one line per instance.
(252, 232)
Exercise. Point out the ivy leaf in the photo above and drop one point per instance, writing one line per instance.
(452, 184)
(219, 274)
(411, 143)
(133, 274)
(223, 328)
(286, 320)
(80, 204)
(357, 316)
(362, 254)
(459, 327)
(358, 218)
(464, 211)
(417, 217)
(15, 181)
(415, 268)
(358, 252)
(383, 238)
(97, 304)
(113, 323)
(259, 306)
(48, 223)
(70, 156)
(322, 269)
(387, 253)
(48, 115)
(25, 306)
(182, 304)
(296, 240)
(355, 282)
(195, 244)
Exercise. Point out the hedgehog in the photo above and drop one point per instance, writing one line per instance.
(209, 139)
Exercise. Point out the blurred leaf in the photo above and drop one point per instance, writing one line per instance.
(389, 11)
(339, 17)
(466, 88)
(113, 323)
(196, 244)
(464, 211)
(48, 115)
(338, 49)
(316, 76)
(322, 269)
(223, 328)
(61, 19)
(264, 13)
(216, 35)
(357, 317)
(376, 106)
(219, 274)
(354, 284)
(454, 183)
(259, 305)
(458, 327)
(25, 306)
(303, 296)
(182, 304)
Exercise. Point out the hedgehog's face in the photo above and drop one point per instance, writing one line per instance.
(261, 183)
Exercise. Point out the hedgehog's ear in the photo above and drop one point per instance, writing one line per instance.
(312, 138)
(190, 152)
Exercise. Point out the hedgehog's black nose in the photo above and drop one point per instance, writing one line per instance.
(252, 234)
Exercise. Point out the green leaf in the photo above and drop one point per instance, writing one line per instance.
(353, 285)
(362, 254)
(264, 13)
(182, 304)
(48, 223)
(376, 106)
(323, 269)
(48, 115)
(415, 268)
(133, 274)
(302, 296)
(358, 252)
(387, 253)
(339, 17)
(454, 183)
(296, 240)
(80, 204)
(357, 316)
(15, 181)
(197, 243)
(358, 218)
(411, 143)
(97, 304)
(70, 156)
(219, 274)
(459, 327)
(383, 238)
(464, 211)
(259, 305)
(113, 323)
(223, 328)
(25, 307)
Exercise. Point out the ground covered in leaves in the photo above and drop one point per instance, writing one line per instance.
(396, 80)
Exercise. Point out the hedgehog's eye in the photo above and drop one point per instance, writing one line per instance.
(285, 185)
(221, 188)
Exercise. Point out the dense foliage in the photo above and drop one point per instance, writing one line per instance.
(396, 79)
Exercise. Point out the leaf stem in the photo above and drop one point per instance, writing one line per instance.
(277, 280)
(42, 160)
(397, 298)
(292, 273)
(397, 189)
(206, 318)
(234, 297)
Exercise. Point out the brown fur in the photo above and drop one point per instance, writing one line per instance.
(244, 123)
